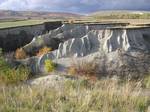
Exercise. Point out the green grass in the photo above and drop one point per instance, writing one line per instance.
(22, 23)
(121, 16)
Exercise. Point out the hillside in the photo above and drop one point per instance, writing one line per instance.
(120, 15)
(36, 15)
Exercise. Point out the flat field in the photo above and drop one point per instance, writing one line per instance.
(9, 24)
(26, 22)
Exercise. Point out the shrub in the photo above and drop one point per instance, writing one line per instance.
(49, 65)
(43, 51)
(20, 54)
(83, 68)
(12, 75)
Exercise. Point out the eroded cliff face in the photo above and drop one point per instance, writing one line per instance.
(62, 34)
(13, 38)
(117, 50)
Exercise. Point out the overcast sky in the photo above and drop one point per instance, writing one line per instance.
(77, 6)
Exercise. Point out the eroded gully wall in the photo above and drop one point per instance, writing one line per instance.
(13, 38)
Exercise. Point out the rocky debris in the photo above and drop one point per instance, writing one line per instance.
(117, 51)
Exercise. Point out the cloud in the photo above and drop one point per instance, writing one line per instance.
(14, 4)
(79, 6)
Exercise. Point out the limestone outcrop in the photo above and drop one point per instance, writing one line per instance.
(117, 50)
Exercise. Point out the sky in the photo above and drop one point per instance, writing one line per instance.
(75, 6)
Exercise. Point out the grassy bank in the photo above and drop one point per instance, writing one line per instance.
(106, 95)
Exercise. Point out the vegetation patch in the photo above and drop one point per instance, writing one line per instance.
(43, 51)
(122, 16)
(83, 68)
(13, 76)
(75, 96)
(50, 66)
(20, 54)
(146, 82)
(9, 24)
(9, 75)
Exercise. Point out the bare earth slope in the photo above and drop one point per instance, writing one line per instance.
(118, 50)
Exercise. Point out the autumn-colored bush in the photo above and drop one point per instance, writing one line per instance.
(20, 54)
(83, 68)
(43, 51)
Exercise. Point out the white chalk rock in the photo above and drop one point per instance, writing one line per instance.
(116, 50)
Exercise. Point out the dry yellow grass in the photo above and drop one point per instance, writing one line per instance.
(106, 95)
